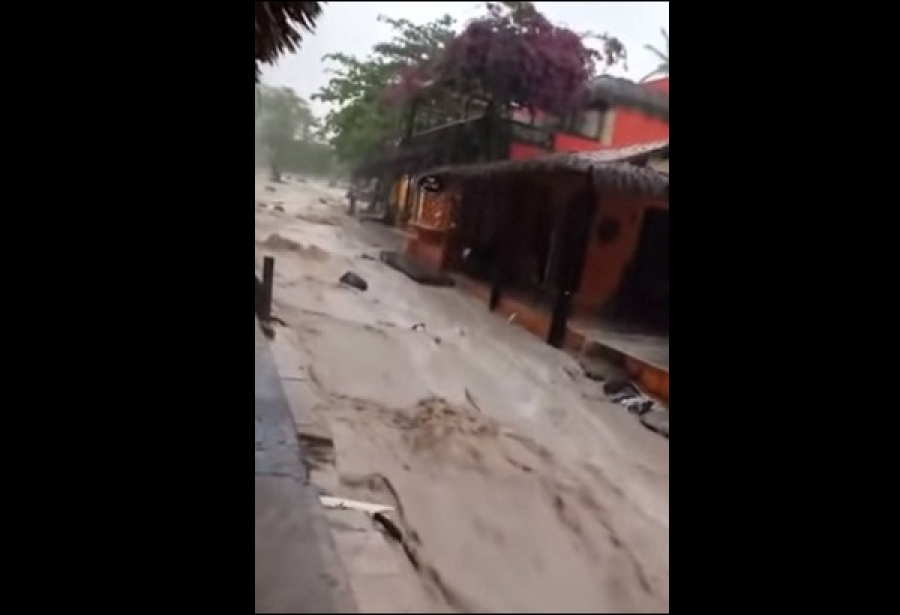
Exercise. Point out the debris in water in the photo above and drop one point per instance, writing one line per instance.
(570, 372)
(345, 504)
(657, 420)
(471, 399)
(267, 329)
(419, 326)
(637, 405)
(415, 270)
(512, 317)
(270, 188)
(279, 208)
(615, 387)
(351, 279)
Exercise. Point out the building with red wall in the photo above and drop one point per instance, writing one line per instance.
(632, 127)
(594, 129)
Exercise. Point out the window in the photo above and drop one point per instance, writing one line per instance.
(589, 123)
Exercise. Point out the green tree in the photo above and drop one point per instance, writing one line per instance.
(282, 119)
(363, 117)
(663, 68)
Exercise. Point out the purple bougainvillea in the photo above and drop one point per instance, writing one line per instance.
(514, 55)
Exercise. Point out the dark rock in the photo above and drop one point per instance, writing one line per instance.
(614, 387)
(279, 208)
(351, 279)
(638, 406)
(626, 395)
(601, 369)
(657, 420)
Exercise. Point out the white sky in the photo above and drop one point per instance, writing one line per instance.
(352, 28)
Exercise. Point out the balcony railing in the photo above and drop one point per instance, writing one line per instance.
(467, 138)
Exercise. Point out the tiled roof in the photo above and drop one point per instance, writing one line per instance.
(618, 92)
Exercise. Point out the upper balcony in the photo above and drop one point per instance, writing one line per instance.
(439, 142)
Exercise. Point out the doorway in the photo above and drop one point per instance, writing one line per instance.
(644, 291)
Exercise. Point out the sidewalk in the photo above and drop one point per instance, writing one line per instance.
(297, 569)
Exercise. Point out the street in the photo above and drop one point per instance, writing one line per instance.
(517, 485)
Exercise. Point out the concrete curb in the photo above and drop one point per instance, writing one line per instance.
(297, 566)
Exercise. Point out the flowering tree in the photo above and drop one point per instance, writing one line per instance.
(515, 56)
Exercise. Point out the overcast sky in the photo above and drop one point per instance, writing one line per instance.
(352, 27)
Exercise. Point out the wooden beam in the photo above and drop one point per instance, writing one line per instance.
(576, 233)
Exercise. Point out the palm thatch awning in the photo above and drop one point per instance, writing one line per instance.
(279, 26)
(610, 170)
(617, 92)
(412, 159)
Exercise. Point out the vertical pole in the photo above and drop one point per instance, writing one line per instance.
(502, 244)
(561, 308)
(576, 232)
(268, 283)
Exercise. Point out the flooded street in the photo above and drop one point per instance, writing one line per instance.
(517, 486)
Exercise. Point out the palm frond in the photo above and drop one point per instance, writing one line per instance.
(279, 26)
(664, 57)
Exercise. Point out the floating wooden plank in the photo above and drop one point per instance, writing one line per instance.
(344, 504)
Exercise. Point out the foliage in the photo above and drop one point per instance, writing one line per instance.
(663, 68)
(286, 133)
(363, 119)
(283, 116)
(279, 27)
(515, 55)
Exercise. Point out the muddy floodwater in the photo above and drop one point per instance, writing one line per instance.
(517, 486)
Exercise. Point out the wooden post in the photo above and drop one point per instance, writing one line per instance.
(268, 283)
(562, 306)
(502, 245)
(576, 234)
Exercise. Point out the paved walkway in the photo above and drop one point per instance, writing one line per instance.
(297, 569)
(651, 349)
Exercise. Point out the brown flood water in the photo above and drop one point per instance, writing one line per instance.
(516, 485)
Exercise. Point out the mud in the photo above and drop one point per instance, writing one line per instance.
(517, 486)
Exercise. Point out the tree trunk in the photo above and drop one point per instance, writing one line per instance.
(275, 170)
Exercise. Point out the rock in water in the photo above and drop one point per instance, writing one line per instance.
(657, 420)
(351, 279)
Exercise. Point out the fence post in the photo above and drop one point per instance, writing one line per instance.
(268, 283)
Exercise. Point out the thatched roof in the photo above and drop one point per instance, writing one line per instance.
(610, 170)
(279, 26)
(617, 92)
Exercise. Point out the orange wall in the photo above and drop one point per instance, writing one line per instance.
(523, 151)
(606, 262)
(632, 127)
(564, 142)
